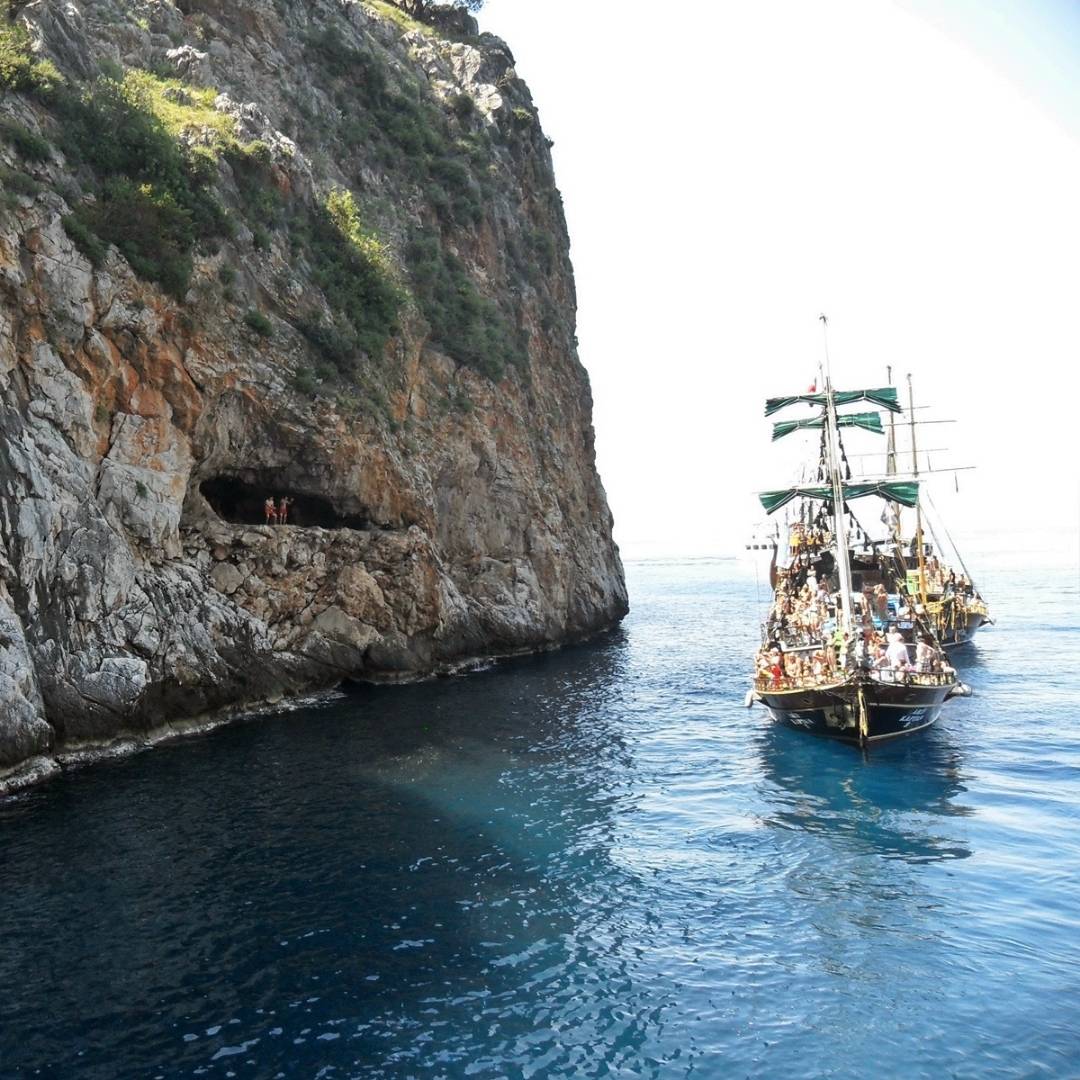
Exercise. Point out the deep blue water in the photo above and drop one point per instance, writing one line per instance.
(591, 863)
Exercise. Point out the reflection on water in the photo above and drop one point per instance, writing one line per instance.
(899, 801)
(589, 863)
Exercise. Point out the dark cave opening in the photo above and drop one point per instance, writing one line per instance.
(240, 503)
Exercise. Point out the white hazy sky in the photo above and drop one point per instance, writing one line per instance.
(730, 170)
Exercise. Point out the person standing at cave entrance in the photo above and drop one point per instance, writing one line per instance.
(270, 509)
(283, 509)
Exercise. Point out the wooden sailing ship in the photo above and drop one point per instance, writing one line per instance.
(950, 599)
(851, 647)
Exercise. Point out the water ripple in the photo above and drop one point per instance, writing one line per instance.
(591, 863)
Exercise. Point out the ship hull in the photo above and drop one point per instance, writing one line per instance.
(892, 709)
(960, 635)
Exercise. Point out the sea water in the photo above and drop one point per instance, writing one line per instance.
(594, 862)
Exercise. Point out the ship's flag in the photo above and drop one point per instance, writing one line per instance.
(812, 388)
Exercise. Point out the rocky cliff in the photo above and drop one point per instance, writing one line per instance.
(299, 248)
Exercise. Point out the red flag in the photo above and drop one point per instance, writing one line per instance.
(813, 387)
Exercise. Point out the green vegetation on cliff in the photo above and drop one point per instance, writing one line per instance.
(353, 269)
(409, 132)
(160, 172)
(412, 135)
(27, 144)
(154, 197)
(419, 8)
(463, 323)
(19, 68)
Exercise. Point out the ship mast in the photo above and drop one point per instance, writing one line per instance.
(890, 448)
(890, 463)
(918, 504)
(847, 623)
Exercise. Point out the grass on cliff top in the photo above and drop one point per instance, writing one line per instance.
(404, 20)
(154, 197)
(399, 17)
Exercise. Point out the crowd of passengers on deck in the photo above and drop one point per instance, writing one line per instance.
(944, 580)
(886, 657)
(806, 541)
(806, 648)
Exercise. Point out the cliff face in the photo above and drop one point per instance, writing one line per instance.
(250, 248)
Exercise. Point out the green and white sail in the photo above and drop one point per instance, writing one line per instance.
(885, 396)
(869, 421)
(904, 492)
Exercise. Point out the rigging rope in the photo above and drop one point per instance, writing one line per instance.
(952, 543)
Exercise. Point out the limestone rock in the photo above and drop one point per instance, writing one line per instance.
(23, 730)
(334, 623)
(226, 578)
(440, 511)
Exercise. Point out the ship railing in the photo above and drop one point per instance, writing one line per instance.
(912, 678)
(786, 682)
(896, 676)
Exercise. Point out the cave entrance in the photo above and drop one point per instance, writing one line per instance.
(241, 503)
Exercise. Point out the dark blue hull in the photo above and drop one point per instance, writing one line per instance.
(861, 710)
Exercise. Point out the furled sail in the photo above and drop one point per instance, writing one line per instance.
(904, 492)
(871, 421)
(885, 396)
